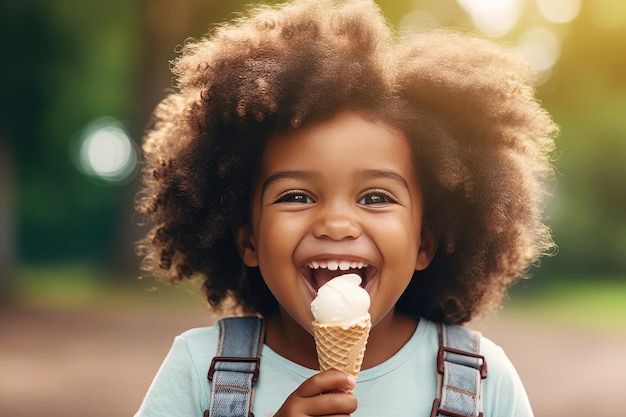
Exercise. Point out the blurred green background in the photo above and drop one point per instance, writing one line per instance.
(78, 81)
(80, 78)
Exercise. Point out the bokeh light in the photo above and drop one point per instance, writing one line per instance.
(542, 49)
(493, 18)
(559, 11)
(106, 152)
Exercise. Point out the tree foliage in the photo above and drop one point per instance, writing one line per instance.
(67, 63)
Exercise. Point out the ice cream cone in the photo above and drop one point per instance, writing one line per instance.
(341, 347)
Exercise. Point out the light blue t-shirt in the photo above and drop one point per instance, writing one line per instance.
(404, 385)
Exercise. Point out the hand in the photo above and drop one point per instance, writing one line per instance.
(324, 394)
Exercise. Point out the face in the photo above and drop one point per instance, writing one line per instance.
(337, 196)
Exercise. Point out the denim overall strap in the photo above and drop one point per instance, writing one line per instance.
(462, 370)
(235, 368)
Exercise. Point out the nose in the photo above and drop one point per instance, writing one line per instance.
(336, 223)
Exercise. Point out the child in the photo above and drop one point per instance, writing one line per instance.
(306, 142)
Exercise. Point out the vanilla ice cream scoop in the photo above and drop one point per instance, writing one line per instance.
(341, 301)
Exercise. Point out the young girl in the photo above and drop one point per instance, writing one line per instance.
(305, 142)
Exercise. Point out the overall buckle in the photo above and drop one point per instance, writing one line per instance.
(440, 359)
(216, 359)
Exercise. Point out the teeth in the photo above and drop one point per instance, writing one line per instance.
(336, 265)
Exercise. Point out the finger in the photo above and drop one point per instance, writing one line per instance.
(327, 381)
(330, 404)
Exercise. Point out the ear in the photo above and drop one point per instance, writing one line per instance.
(245, 245)
(428, 247)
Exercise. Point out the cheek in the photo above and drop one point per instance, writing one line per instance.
(276, 238)
(401, 239)
(275, 247)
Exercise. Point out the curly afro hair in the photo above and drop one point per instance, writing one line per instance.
(480, 139)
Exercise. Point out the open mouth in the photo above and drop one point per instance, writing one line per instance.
(320, 272)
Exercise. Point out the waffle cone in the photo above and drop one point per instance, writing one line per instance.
(340, 347)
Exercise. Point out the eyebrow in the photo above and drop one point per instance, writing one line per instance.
(280, 175)
(366, 173)
(381, 173)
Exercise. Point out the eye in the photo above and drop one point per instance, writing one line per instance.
(377, 197)
(294, 197)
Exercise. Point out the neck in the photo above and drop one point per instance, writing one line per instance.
(290, 340)
(387, 337)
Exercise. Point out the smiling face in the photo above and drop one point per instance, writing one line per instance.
(337, 196)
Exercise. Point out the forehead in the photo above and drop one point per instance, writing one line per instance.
(347, 138)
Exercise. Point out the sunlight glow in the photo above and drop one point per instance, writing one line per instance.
(559, 11)
(608, 14)
(493, 17)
